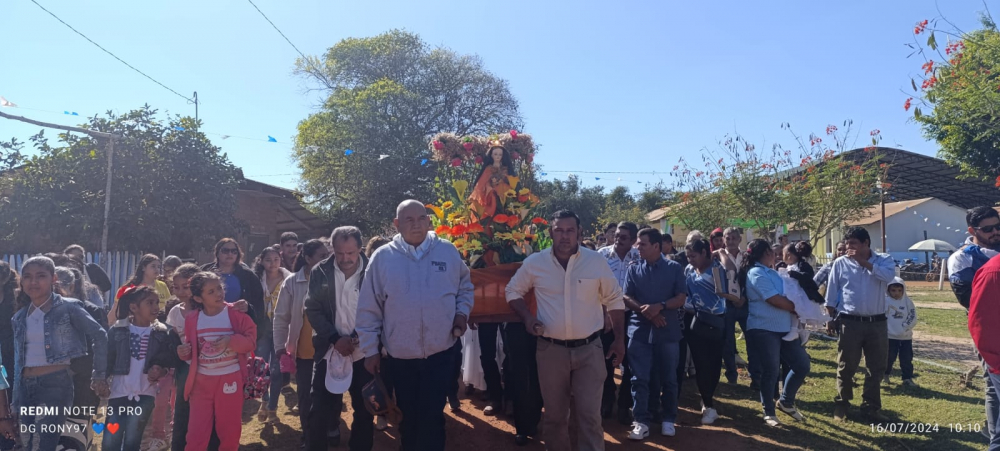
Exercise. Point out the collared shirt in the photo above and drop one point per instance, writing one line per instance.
(569, 300)
(655, 283)
(854, 290)
(823, 275)
(348, 292)
(418, 251)
(701, 291)
(619, 266)
(764, 283)
(731, 271)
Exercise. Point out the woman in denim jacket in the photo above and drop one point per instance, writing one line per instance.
(49, 332)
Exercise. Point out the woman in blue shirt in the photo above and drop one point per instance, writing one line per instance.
(705, 298)
(769, 321)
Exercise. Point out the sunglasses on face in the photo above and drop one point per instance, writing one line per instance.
(229, 250)
(988, 229)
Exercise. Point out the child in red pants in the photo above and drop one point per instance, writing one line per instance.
(218, 340)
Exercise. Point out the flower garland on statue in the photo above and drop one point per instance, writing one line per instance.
(497, 221)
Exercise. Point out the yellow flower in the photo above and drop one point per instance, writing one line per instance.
(447, 205)
(474, 245)
(518, 236)
(510, 194)
(504, 236)
(460, 187)
(513, 181)
(455, 217)
(459, 243)
(524, 192)
(437, 210)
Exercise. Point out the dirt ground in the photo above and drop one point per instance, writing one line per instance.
(470, 429)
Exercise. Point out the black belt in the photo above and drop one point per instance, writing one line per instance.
(863, 319)
(574, 343)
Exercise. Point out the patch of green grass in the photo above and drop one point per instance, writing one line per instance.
(932, 295)
(948, 323)
(940, 401)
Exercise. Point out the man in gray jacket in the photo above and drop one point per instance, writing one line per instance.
(416, 298)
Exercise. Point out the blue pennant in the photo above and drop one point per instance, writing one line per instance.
(423, 162)
(348, 152)
(271, 139)
(179, 128)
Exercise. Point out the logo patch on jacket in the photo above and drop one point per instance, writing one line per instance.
(439, 266)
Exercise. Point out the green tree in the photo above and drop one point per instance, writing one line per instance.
(815, 187)
(620, 206)
(172, 190)
(570, 194)
(387, 95)
(959, 89)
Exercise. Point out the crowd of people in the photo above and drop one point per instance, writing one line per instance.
(385, 322)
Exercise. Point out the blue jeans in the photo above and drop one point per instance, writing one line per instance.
(131, 417)
(769, 351)
(903, 348)
(49, 390)
(265, 350)
(643, 357)
(994, 381)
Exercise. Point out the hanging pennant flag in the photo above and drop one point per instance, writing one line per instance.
(348, 152)
(179, 128)
(66, 113)
(271, 139)
(312, 148)
(545, 173)
(423, 162)
(74, 113)
(225, 136)
(382, 157)
(7, 103)
(597, 178)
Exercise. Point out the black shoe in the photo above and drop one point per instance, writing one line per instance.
(453, 401)
(521, 440)
(876, 416)
(624, 416)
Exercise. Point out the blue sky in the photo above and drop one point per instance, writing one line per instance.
(603, 86)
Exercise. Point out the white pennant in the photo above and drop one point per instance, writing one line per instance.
(382, 157)
(7, 103)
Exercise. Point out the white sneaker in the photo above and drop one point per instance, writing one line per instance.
(772, 421)
(667, 429)
(791, 411)
(708, 416)
(381, 424)
(639, 431)
(156, 445)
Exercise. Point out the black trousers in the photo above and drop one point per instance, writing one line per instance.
(707, 357)
(522, 378)
(488, 358)
(421, 388)
(326, 405)
(303, 383)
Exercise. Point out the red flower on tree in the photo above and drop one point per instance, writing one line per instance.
(458, 230)
(544, 222)
(442, 230)
(906, 105)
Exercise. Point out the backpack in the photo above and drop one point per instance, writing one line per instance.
(258, 378)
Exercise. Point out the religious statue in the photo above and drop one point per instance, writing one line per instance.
(492, 183)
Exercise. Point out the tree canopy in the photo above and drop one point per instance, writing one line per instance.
(171, 188)
(959, 89)
(386, 95)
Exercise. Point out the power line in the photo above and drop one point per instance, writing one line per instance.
(109, 52)
(276, 29)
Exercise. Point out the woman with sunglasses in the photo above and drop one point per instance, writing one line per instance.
(238, 281)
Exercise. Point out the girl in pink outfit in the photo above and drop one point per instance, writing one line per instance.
(218, 339)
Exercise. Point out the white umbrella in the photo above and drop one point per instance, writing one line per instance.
(932, 246)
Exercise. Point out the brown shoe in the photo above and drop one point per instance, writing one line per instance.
(840, 412)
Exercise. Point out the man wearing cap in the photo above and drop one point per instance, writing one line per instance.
(573, 286)
(331, 306)
(416, 299)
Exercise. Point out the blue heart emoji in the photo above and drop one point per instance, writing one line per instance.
(98, 427)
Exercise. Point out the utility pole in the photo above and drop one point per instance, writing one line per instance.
(196, 106)
(881, 201)
(107, 187)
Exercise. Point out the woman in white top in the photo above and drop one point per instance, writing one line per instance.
(268, 269)
(49, 332)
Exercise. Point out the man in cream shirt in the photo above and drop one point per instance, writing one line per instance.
(572, 287)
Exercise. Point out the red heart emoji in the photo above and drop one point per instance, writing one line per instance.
(112, 427)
